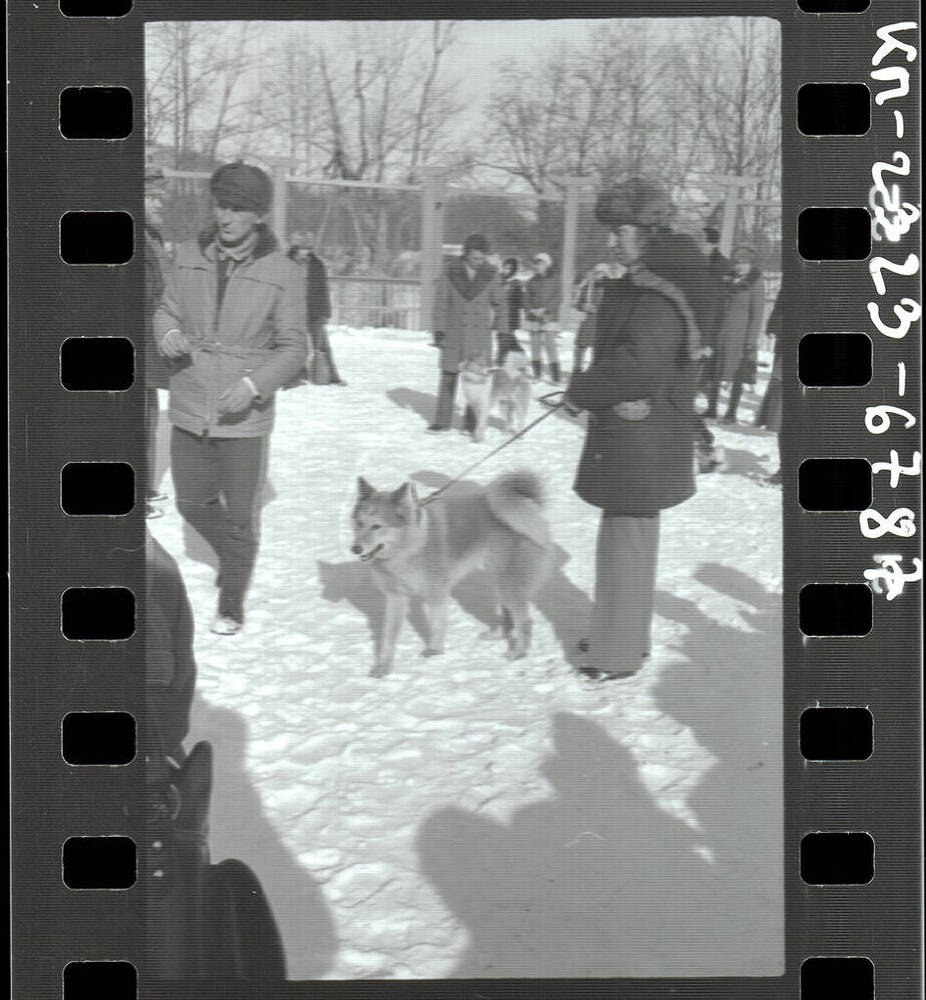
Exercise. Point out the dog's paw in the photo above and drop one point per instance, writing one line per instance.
(380, 669)
(495, 632)
(515, 653)
(428, 651)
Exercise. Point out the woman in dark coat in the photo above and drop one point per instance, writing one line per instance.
(322, 370)
(513, 288)
(542, 295)
(639, 392)
(740, 328)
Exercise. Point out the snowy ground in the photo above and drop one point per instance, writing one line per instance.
(466, 816)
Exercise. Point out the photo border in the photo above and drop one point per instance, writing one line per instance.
(50, 301)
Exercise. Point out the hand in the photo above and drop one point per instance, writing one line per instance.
(236, 397)
(174, 344)
(570, 407)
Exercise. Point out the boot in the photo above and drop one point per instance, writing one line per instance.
(555, 372)
(537, 369)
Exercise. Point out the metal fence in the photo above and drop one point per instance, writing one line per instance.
(384, 244)
(376, 302)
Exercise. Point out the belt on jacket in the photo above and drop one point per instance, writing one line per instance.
(217, 347)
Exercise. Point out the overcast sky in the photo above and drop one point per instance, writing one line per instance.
(481, 44)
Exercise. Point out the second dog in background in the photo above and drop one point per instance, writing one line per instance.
(506, 386)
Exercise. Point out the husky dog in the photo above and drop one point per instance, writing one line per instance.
(507, 386)
(422, 550)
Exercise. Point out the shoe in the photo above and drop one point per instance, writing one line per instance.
(151, 512)
(437, 429)
(339, 381)
(226, 625)
(774, 479)
(536, 368)
(555, 374)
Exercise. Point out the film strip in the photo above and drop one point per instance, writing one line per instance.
(85, 865)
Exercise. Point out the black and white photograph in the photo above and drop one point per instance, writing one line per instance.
(463, 497)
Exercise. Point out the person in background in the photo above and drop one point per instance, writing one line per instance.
(738, 336)
(321, 367)
(541, 303)
(232, 320)
(719, 268)
(639, 393)
(469, 303)
(587, 298)
(157, 372)
(514, 307)
(769, 412)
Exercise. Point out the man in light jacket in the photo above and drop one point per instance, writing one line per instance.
(468, 305)
(233, 321)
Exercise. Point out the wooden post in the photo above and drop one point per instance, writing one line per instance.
(433, 193)
(570, 232)
(728, 221)
(278, 209)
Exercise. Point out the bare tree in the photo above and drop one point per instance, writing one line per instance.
(191, 92)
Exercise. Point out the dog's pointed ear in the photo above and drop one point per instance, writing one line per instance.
(364, 489)
(405, 495)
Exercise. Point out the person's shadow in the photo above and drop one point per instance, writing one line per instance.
(596, 881)
(238, 828)
(729, 692)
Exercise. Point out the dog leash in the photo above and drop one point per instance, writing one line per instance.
(514, 437)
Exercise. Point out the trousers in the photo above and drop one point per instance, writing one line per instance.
(152, 415)
(544, 340)
(217, 482)
(625, 586)
(446, 394)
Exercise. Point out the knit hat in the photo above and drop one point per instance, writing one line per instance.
(243, 187)
(476, 242)
(636, 202)
(543, 258)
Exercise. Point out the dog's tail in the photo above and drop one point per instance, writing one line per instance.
(517, 498)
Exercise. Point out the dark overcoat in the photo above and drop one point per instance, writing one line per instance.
(466, 312)
(318, 298)
(638, 457)
(738, 335)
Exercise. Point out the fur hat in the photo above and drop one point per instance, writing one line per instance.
(476, 242)
(242, 186)
(636, 202)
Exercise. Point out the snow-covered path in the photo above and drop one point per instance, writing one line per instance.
(466, 816)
